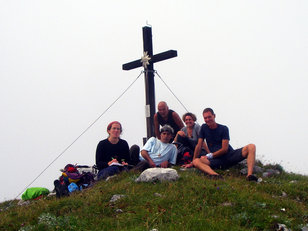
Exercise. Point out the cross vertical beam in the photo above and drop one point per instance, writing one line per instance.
(149, 82)
(149, 75)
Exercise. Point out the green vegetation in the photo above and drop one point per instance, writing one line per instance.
(194, 202)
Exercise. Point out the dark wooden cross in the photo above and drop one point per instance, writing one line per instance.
(147, 62)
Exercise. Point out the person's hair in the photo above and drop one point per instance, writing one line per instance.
(208, 110)
(194, 118)
(167, 128)
(110, 125)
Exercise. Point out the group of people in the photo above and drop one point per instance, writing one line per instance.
(204, 147)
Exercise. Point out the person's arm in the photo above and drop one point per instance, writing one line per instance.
(164, 164)
(101, 162)
(206, 148)
(125, 157)
(156, 126)
(147, 157)
(179, 133)
(177, 120)
(223, 150)
(198, 148)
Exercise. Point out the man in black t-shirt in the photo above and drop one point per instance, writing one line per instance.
(166, 116)
(221, 155)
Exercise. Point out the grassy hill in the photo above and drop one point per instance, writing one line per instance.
(194, 202)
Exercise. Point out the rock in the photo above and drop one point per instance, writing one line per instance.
(110, 177)
(158, 174)
(283, 194)
(116, 197)
(256, 170)
(270, 172)
(22, 202)
(119, 211)
(157, 195)
(305, 228)
(282, 227)
(226, 204)
(243, 171)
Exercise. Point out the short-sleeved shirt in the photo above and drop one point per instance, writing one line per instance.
(195, 133)
(159, 151)
(215, 136)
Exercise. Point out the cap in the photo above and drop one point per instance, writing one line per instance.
(167, 128)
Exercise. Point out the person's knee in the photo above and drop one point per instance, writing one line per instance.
(252, 147)
(196, 162)
(249, 149)
(134, 154)
(134, 149)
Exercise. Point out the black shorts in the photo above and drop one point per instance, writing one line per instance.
(227, 160)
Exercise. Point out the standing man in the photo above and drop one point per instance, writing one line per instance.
(221, 155)
(166, 116)
(158, 153)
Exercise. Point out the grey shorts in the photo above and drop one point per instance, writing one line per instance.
(227, 160)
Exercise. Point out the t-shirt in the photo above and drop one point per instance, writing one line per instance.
(106, 151)
(195, 133)
(159, 151)
(215, 136)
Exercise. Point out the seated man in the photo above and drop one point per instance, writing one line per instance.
(158, 153)
(221, 155)
(166, 116)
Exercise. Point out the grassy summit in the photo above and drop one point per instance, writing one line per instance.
(194, 202)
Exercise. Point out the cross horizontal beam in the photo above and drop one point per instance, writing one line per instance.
(154, 59)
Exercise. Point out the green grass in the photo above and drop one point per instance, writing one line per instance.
(194, 202)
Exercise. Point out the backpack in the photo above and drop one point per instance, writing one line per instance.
(71, 174)
(185, 155)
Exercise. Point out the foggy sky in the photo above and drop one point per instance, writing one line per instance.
(61, 68)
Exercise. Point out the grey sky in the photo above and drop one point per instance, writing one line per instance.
(61, 67)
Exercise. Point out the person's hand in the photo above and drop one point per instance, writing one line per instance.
(112, 161)
(164, 164)
(124, 163)
(190, 165)
(152, 164)
(181, 133)
(209, 156)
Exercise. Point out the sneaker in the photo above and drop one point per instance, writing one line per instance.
(252, 178)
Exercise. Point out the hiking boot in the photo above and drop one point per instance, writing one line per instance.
(252, 178)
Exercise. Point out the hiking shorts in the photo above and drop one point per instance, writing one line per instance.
(227, 160)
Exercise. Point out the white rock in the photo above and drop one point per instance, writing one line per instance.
(116, 197)
(158, 174)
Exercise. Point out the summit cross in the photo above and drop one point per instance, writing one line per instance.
(147, 61)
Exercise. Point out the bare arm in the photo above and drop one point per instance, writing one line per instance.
(204, 145)
(198, 148)
(223, 150)
(177, 120)
(147, 157)
(156, 126)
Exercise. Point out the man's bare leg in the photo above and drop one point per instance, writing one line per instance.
(249, 152)
(204, 165)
